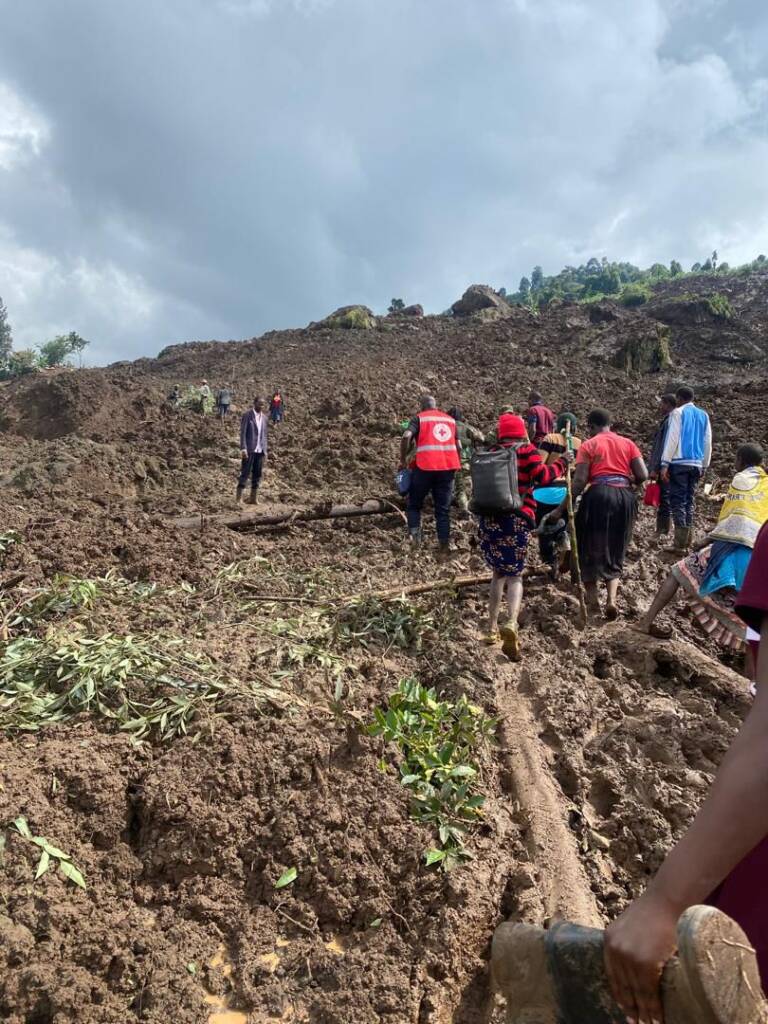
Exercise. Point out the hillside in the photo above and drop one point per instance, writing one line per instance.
(604, 742)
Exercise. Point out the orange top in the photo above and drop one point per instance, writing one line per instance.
(608, 454)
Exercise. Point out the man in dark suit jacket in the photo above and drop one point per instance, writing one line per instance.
(253, 449)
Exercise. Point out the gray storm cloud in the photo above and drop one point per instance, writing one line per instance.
(201, 169)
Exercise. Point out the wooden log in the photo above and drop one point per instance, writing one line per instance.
(393, 593)
(249, 519)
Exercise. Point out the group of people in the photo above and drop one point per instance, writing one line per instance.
(722, 859)
(608, 474)
(203, 399)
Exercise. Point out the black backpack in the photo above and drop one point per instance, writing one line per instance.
(494, 480)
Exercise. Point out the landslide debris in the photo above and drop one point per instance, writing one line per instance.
(606, 741)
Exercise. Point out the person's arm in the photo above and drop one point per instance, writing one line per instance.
(707, 445)
(244, 435)
(579, 481)
(731, 822)
(405, 443)
(639, 470)
(543, 474)
(672, 439)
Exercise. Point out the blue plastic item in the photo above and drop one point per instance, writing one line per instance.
(403, 481)
(549, 495)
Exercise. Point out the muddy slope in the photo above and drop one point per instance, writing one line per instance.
(605, 743)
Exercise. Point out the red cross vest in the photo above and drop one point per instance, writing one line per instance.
(436, 443)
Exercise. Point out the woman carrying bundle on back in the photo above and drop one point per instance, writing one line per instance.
(504, 535)
(713, 574)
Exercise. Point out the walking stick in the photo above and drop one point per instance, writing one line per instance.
(572, 532)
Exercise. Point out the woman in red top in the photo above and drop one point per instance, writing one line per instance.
(723, 857)
(504, 536)
(612, 466)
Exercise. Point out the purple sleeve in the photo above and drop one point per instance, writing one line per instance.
(752, 602)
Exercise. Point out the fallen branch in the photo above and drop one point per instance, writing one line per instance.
(393, 593)
(247, 520)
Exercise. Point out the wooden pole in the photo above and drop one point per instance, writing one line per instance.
(572, 531)
(248, 519)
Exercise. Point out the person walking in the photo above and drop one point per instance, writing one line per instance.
(253, 449)
(436, 461)
(554, 538)
(504, 536)
(667, 403)
(539, 419)
(609, 465)
(686, 456)
(276, 407)
(205, 396)
(224, 398)
(468, 436)
(713, 575)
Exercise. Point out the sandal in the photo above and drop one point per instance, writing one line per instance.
(510, 642)
(491, 639)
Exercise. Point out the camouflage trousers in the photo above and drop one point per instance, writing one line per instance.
(461, 487)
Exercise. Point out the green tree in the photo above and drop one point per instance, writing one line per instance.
(56, 351)
(675, 269)
(23, 360)
(394, 307)
(6, 337)
(537, 279)
(713, 259)
(696, 268)
(525, 286)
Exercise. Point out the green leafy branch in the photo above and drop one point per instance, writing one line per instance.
(49, 853)
(438, 740)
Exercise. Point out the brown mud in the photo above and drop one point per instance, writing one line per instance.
(606, 742)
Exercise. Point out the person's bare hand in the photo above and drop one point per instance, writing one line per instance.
(637, 946)
(244, 453)
(665, 475)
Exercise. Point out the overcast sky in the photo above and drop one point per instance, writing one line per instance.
(174, 170)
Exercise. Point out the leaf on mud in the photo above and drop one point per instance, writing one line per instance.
(42, 867)
(192, 967)
(72, 873)
(463, 771)
(375, 923)
(23, 827)
(286, 878)
(52, 851)
(434, 856)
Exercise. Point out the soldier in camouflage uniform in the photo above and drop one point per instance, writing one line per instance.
(467, 436)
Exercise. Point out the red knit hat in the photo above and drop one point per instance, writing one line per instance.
(510, 427)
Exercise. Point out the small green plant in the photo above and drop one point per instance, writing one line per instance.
(438, 740)
(49, 853)
(634, 294)
(392, 623)
(720, 306)
(287, 878)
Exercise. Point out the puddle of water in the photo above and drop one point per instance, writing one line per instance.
(220, 1012)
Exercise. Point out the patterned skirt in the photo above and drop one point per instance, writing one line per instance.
(504, 543)
(715, 612)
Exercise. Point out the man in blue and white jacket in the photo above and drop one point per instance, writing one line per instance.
(687, 454)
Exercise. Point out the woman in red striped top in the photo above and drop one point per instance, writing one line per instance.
(504, 536)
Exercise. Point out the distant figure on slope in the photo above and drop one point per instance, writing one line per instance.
(664, 513)
(175, 397)
(206, 399)
(713, 575)
(276, 407)
(224, 398)
(504, 535)
(612, 466)
(539, 419)
(686, 456)
(552, 448)
(467, 436)
(253, 449)
(436, 462)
